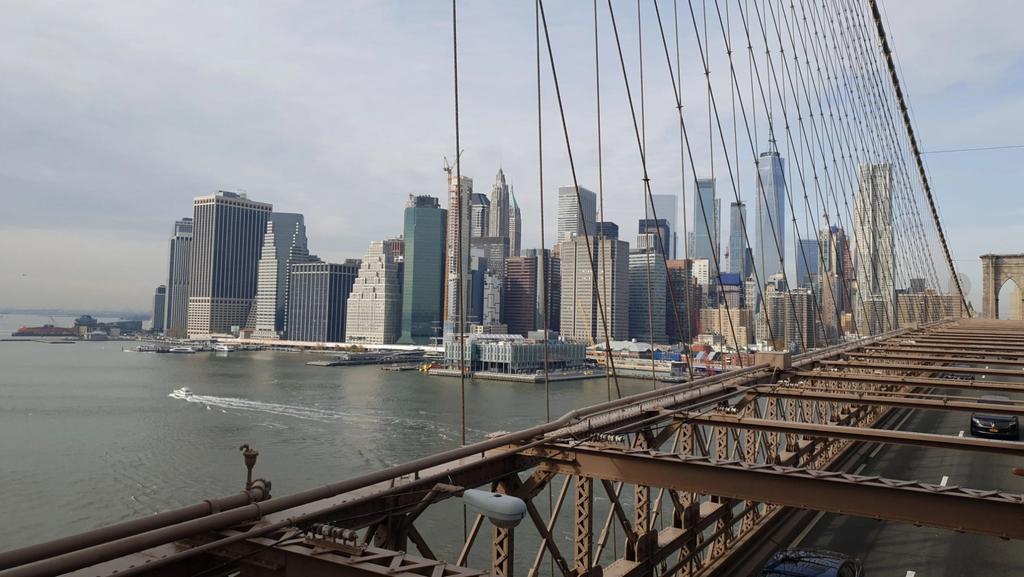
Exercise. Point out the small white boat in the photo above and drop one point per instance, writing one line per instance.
(181, 350)
(186, 392)
(222, 348)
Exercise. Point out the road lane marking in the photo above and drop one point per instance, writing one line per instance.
(961, 434)
(945, 479)
(911, 573)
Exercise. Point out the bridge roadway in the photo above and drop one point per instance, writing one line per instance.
(896, 549)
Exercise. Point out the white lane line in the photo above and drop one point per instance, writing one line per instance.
(911, 573)
(960, 434)
(945, 479)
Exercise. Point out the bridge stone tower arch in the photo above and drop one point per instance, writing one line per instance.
(996, 269)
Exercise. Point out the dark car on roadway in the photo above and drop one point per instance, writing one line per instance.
(994, 424)
(811, 563)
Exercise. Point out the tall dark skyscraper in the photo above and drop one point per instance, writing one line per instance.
(769, 257)
(523, 291)
(179, 262)
(317, 300)
(423, 282)
(227, 237)
(159, 308)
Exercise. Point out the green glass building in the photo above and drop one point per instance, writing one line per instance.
(423, 286)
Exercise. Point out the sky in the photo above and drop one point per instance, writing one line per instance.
(114, 115)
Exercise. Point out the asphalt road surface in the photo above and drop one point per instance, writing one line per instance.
(897, 550)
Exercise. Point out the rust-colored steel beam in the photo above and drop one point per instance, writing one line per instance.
(956, 351)
(934, 358)
(852, 377)
(893, 400)
(994, 342)
(924, 368)
(860, 434)
(316, 557)
(954, 508)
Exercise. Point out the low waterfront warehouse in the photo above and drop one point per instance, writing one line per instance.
(514, 354)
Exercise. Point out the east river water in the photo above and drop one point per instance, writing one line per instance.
(91, 435)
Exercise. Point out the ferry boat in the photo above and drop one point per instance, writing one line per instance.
(145, 349)
(181, 350)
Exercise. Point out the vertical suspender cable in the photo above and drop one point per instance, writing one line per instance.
(461, 302)
(543, 260)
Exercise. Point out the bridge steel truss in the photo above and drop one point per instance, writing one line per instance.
(701, 479)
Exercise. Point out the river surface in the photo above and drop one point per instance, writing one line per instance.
(91, 435)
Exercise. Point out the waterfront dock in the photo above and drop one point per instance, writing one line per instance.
(523, 377)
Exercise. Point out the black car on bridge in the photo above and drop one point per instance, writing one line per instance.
(993, 424)
(811, 563)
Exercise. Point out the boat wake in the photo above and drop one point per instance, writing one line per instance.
(238, 404)
(226, 404)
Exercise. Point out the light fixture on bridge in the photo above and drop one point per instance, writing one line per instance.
(504, 511)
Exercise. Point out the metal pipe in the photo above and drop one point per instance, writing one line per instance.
(32, 553)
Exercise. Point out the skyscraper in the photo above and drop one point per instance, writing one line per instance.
(738, 240)
(492, 297)
(654, 234)
(666, 206)
(374, 314)
(523, 291)
(576, 217)
(706, 215)
(770, 238)
(581, 318)
(479, 215)
(683, 300)
(872, 227)
(456, 246)
(500, 217)
(515, 228)
(318, 299)
(836, 274)
(647, 295)
(607, 229)
(423, 285)
(159, 308)
(283, 242)
(179, 263)
(494, 249)
(807, 262)
(227, 236)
